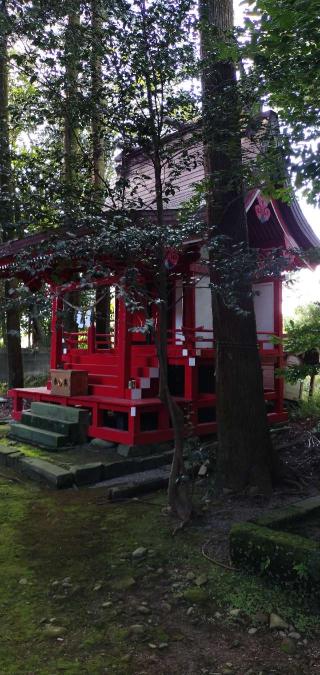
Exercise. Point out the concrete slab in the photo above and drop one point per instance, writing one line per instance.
(47, 472)
(60, 412)
(86, 474)
(142, 450)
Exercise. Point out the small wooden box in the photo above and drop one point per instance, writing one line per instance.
(69, 382)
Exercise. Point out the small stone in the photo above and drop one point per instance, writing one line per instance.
(142, 609)
(163, 645)
(152, 645)
(160, 570)
(23, 581)
(107, 604)
(218, 615)
(201, 580)
(53, 631)
(190, 576)
(55, 583)
(235, 612)
(137, 629)
(276, 622)
(66, 580)
(288, 646)
(203, 470)
(139, 553)
(252, 631)
(97, 587)
(294, 635)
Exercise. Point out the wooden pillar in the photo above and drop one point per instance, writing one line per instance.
(56, 333)
(91, 339)
(123, 343)
(278, 328)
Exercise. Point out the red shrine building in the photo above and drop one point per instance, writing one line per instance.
(114, 375)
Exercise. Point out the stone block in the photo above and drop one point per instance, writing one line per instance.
(60, 412)
(100, 444)
(86, 474)
(39, 469)
(13, 459)
(5, 452)
(76, 432)
(40, 437)
(142, 450)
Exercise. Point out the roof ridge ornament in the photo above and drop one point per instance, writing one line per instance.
(262, 211)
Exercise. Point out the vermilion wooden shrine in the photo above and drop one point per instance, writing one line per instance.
(122, 366)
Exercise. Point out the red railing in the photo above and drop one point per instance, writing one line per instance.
(88, 339)
(188, 338)
(200, 337)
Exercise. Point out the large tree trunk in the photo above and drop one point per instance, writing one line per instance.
(245, 455)
(15, 364)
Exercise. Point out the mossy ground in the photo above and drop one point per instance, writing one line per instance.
(48, 537)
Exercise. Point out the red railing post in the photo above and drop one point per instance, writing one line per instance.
(278, 326)
(123, 343)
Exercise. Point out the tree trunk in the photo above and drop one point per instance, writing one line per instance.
(98, 152)
(15, 364)
(312, 385)
(245, 454)
(71, 147)
(71, 51)
(179, 494)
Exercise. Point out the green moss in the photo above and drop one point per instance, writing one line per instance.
(284, 556)
(196, 595)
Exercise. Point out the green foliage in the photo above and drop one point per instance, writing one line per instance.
(285, 48)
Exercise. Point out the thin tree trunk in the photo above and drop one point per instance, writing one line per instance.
(71, 147)
(245, 454)
(15, 364)
(179, 494)
(98, 152)
(312, 385)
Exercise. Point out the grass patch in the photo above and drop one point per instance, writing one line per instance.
(67, 557)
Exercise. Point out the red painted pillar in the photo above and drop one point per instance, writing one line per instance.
(91, 339)
(56, 332)
(123, 343)
(278, 327)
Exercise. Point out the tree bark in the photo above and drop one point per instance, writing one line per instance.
(98, 151)
(245, 454)
(179, 493)
(71, 148)
(312, 385)
(7, 220)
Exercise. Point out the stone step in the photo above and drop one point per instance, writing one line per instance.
(73, 430)
(60, 412)
(41, 437)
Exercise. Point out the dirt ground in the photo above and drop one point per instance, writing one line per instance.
(77, 598)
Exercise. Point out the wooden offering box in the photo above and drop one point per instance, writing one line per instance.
(69, 382)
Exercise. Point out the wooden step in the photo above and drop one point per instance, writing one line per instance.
(95, 369)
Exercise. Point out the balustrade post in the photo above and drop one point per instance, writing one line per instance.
(123, 343)
(278, 328)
